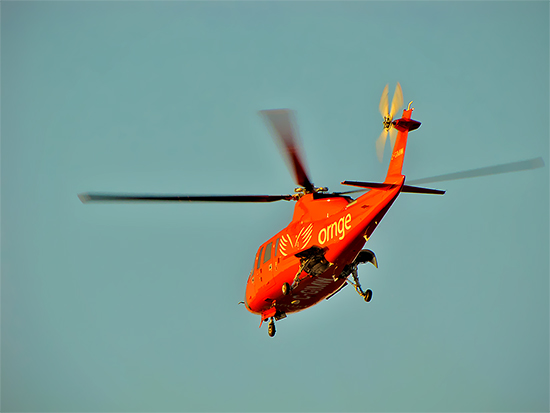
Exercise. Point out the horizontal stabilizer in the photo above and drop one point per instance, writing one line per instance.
(419, 190)
(383, 185)
(369, 185)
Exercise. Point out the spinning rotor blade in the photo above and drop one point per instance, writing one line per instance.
(380, 145)
(384, 103)
(102, 197)
(489, 170)
(397, 101)
(283, 126)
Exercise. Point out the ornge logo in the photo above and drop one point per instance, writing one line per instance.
(300, 241)
(336, 229)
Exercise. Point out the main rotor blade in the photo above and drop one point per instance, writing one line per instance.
(489, 170)
(283, 126)
(104, 197)
(397, 100)
(384, 108)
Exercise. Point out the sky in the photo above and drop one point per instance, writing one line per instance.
(134, 307)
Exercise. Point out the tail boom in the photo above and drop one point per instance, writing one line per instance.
(403, 126)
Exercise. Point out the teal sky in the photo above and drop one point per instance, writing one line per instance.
(131, 308)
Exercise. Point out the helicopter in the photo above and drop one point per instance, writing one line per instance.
(318, 253)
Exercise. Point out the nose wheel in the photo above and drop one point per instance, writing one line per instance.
(271, 328)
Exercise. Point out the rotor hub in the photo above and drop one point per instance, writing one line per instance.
(301, 191)
(387, 123)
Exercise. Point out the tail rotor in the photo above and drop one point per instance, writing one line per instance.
(388, 115)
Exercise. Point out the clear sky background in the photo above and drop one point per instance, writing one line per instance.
(133, 307)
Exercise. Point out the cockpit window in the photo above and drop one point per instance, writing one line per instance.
(276, 247)
(259, 258)
(267, 254)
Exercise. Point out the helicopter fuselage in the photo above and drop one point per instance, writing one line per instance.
(334, 227)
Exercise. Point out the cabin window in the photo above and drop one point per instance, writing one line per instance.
(267, 254)
(276, 247)
(259, 258)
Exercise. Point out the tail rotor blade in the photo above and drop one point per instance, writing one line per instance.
(283, 127)
(397, 101)
(384, 102)
(380, 144)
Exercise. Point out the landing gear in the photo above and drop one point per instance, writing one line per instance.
(296, 280)
(271, 328)
(363, 257)
(272, 315)
(312, 262)
(368, 295)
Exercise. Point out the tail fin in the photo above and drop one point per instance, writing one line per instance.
(403, 126)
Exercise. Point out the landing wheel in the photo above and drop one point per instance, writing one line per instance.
(368, 295)
(286, 288)
(271, 328)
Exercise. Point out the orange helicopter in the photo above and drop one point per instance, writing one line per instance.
(319, 251)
